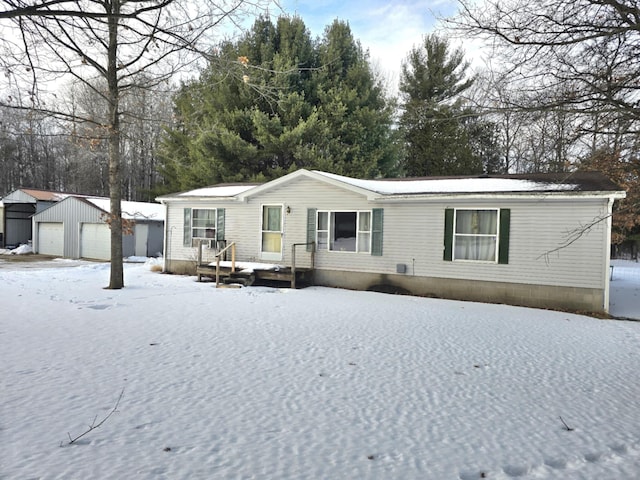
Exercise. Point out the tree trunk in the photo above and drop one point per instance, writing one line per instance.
(115, 181)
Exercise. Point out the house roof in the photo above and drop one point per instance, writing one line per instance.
(537, 183)
(34, 195)
(220, 191)
(130, 210)
(574, 183)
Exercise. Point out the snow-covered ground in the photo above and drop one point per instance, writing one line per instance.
(319, 383)
(624, 301)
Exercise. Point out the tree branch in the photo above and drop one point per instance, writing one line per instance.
(95, 425)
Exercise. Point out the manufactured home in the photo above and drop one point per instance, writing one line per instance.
(76, 227)
(539, 240)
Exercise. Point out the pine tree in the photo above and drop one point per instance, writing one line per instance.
(440, 138)
(291, 103)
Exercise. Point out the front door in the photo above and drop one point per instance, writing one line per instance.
(271, 233)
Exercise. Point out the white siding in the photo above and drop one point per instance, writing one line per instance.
(414, 235)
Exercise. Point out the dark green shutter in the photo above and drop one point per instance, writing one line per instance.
(448, 234)
(220, 222)
(376, 231)
(311, 228)
(505, 224)
(186, 234)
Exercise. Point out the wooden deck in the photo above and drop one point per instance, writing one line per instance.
(246, 273)
(303, 276)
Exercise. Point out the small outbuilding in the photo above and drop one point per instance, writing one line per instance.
(19, 206)
(76, 227)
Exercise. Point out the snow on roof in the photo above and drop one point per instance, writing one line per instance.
(451, 185)
(532, 183)
(132, 210)
(218, 191)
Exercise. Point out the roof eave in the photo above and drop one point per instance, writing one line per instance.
(566, 195)
(190, 199)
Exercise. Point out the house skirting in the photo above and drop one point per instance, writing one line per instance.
(181, 267)
(537, 296)
(527, 295)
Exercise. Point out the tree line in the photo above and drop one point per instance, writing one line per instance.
(276, 99)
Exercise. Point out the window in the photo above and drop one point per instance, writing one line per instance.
(203, 224)
(480, 235)
(344, 231)
(476, 235)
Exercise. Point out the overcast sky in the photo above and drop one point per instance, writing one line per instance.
(388, 29)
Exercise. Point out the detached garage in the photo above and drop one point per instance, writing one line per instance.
(75, 228)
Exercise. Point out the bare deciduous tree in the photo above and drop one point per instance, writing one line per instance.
(109, 42)
(588, 50)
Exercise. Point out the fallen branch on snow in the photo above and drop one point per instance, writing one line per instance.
(569, 429)
(95, 425)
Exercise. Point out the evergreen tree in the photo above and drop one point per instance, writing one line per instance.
(441, 136)
(292, 102)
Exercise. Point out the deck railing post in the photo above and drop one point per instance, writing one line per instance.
(233, 257)
(231, 246)
(199, 258)
(293, 259)
(293, 266)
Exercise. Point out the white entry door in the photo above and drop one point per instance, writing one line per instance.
(271, 233)
(142, 234)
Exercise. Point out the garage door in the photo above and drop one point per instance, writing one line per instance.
(95, 241)
(51, 238)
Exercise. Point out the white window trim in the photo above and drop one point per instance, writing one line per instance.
(215, 227)
(358, 231)
(456, 235)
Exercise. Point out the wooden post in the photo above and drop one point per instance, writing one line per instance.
(293, 266)
(217, 271)
(233, 257)
(199, 259)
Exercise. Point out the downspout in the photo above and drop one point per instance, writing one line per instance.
(607, 268)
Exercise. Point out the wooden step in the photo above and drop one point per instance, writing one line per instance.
(242, 278)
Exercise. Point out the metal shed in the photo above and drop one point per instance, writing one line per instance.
(75, 228)
(19, 206)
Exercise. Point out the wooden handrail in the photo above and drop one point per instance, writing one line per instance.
(231, 246)
(293, 259)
